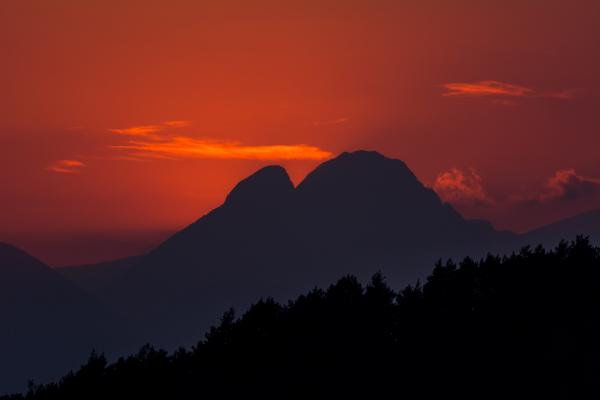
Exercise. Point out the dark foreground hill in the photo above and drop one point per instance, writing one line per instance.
(525, 326)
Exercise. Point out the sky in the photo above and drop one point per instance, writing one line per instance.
(123, 121)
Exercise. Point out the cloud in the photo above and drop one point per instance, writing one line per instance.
(66, 166)
(337, 121)
(151, 130)
(141, 130)
(499, 92)
(566, 185)
(157, 142)
(186, 147)
(563, 194)
(567, 94)
(486, 88)
(458, 186)
(178, 123)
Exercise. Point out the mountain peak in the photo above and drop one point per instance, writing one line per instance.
(360, 169)
(365, 158)
(361, 154)
(266, 185)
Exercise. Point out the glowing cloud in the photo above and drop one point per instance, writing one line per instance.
(156, 144)
(142, 130)
(567, 185)
(460, 186)
(464, 189)
(337, 121)
(500, 91)
(177, 123)
(66, 166)
(151, 130)
(486, 88)
(186, 147)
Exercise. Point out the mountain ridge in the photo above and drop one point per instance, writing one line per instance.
(358, 213)
(49, 323)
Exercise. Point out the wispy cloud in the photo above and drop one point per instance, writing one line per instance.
(178, 123)
(458, 186)
(141, 130)
(486, 88)
(151, 130)
(336, 121)
(66, 166)
(567, 94)
(159, 142)
(187, 147)
(499, 92)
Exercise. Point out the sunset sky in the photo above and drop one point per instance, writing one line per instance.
(125, 120)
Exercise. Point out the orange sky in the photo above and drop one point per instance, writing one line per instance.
(139, 116)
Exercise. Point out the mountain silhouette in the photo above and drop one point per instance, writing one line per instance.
(96, 278)
(363, 202)
(267, 187)
(587, 224)
(48, 324)
(358, 213)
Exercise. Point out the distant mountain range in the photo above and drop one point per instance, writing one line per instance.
(587, 223)
(49, 324)
(356, 214)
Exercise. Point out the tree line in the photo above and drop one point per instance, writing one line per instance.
(526, 325)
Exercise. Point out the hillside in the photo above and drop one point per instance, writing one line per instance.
(525, 326)
(48, 323)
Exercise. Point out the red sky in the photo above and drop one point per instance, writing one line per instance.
(123, 119)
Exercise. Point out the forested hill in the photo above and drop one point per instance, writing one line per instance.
(523, 326)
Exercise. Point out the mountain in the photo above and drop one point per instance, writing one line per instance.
(367, 205)
(49, 325)
(587, 224)
(358, 213)
(524, 326)
(95, 278)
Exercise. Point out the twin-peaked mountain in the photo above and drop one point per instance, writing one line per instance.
(358, 213)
